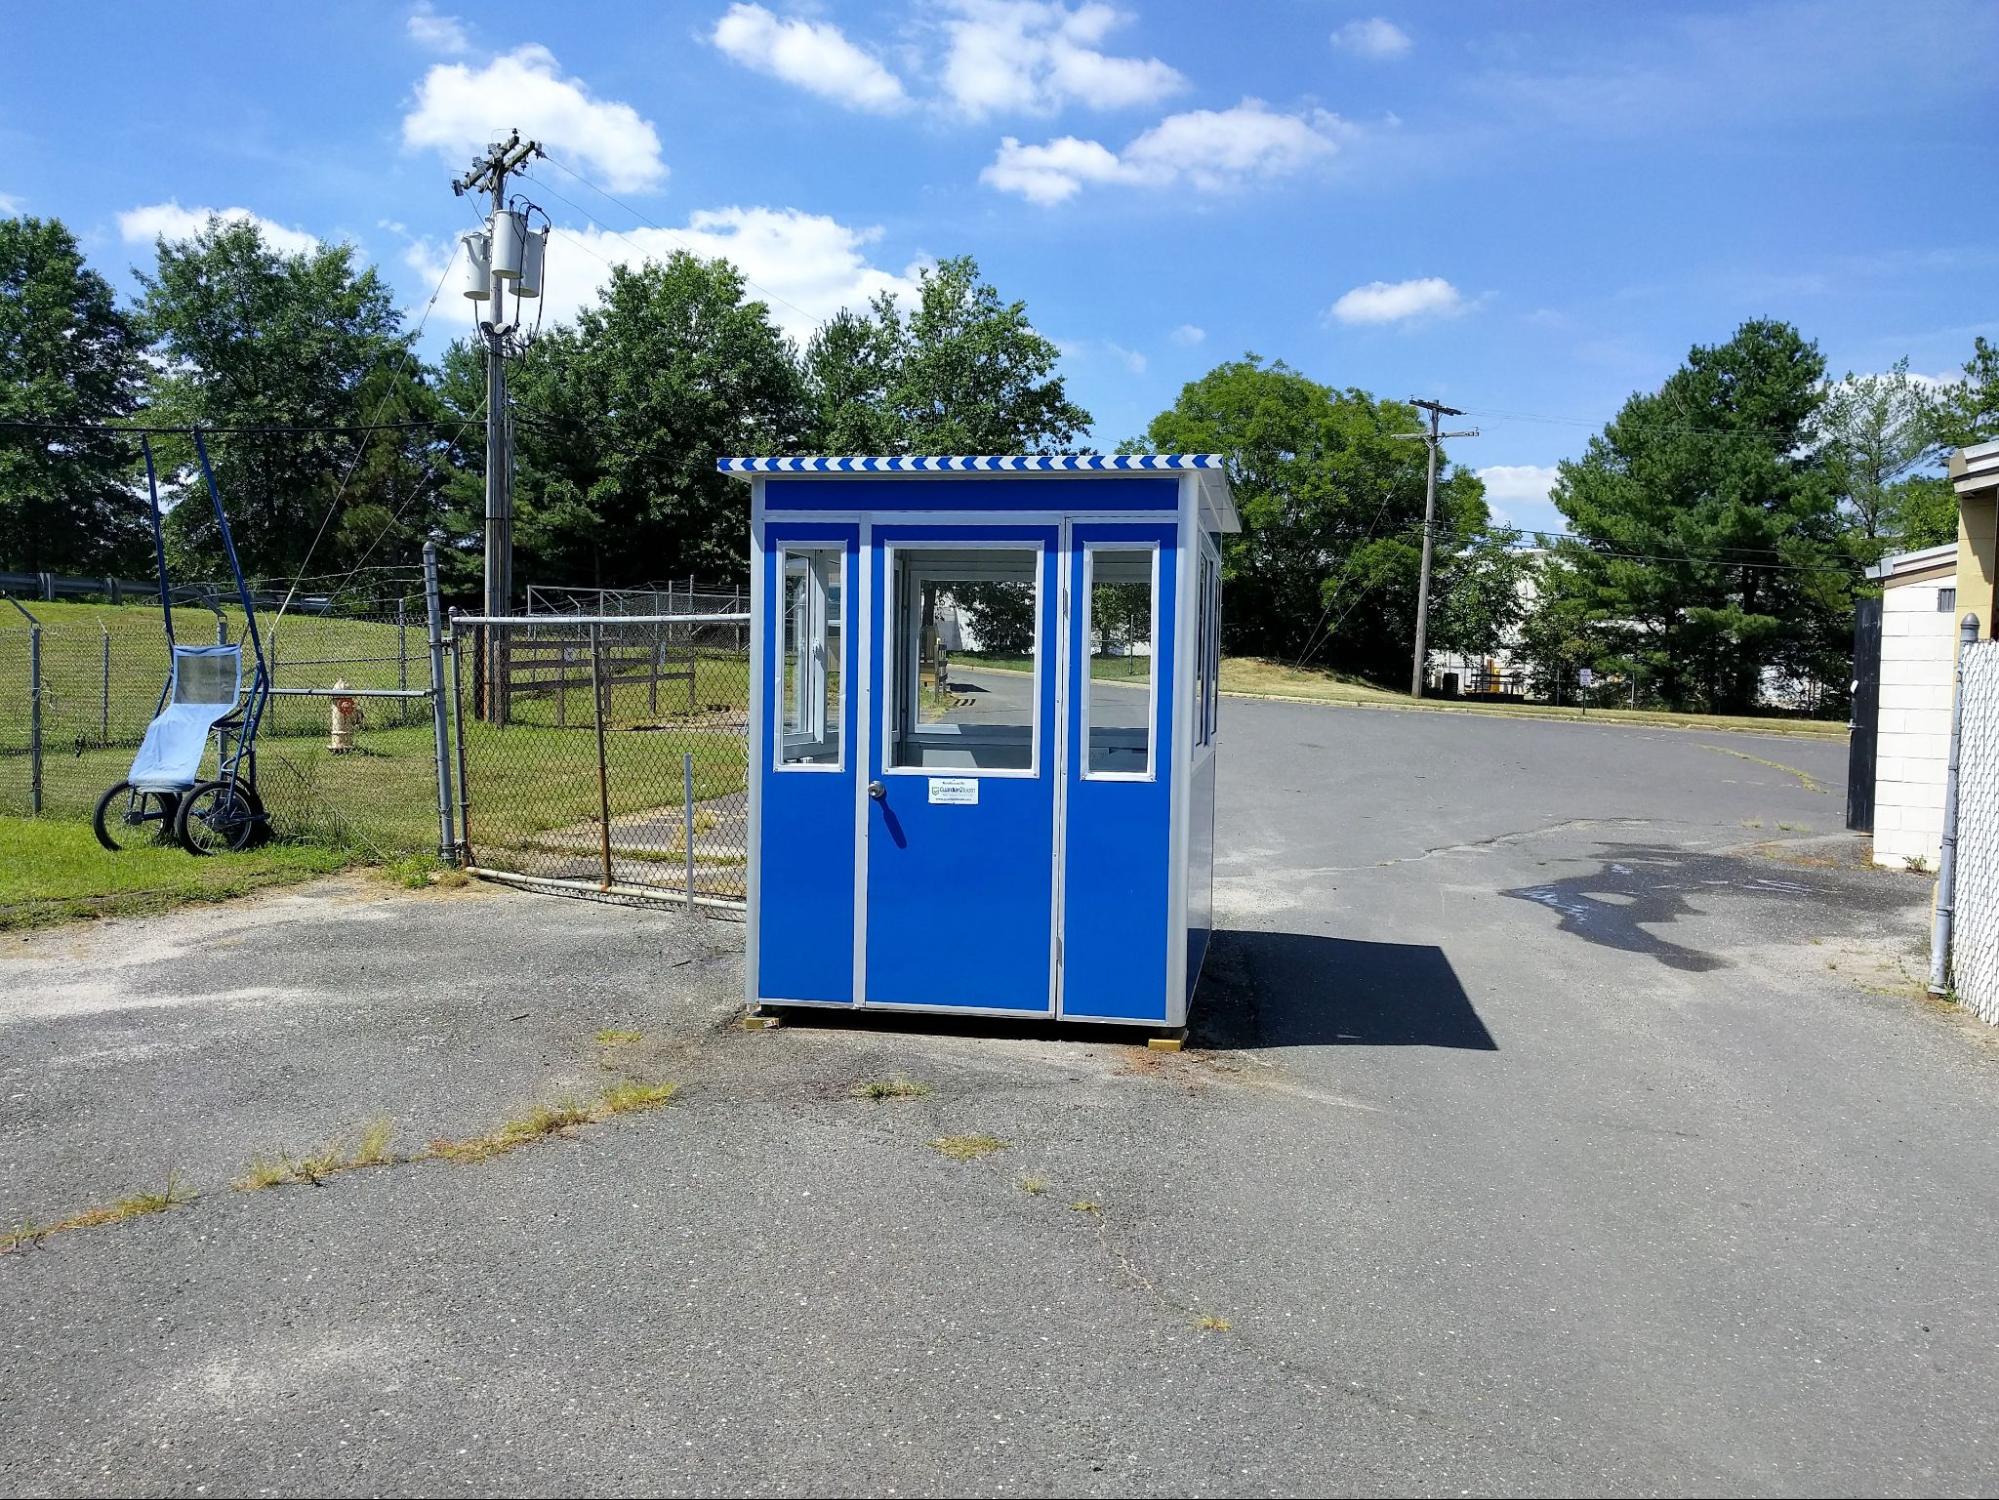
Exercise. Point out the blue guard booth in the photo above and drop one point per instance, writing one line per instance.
(982, 733)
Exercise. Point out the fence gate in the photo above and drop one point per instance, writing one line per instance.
(1975, 933)
(606, 752)
(1865, 733)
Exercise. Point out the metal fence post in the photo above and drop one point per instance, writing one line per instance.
(458, 733)
(34, 718)
(403, 651)
(221, 629)
(603, 771)
(1967, 636)
(687, 819)
(104, 689)
(447, 844)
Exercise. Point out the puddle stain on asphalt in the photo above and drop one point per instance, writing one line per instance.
(1618, 905)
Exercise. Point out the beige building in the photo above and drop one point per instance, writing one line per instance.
(1974, 474)
(1924, 596)
(1912, 742)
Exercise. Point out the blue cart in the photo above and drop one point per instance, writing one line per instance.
(983, 732)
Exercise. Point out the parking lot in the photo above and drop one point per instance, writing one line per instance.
(1562, 1115)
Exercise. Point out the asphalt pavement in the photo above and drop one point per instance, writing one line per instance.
(1561, 1116)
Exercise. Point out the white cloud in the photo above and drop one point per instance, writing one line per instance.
(1508, 486)
(814, 55)
(814, 264)
(459, 109)
(436, 33)
(1133, 361)
(1188, 334)
(1035, 56)
(1205, 149)
(1392, 301)
(153, 221)
(1373, 38)
(9, 204)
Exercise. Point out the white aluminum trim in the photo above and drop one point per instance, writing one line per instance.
(1059, 830)
(817, 609)
(890, 663)
(1186, 553)
(863, 751)
(753, 890)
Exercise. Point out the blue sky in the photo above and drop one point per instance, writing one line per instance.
(1529, 210)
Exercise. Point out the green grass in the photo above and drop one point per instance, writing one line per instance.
(967, 1147)
(1268, 679)
(52, 871)
(890, 1088)
(1102, 668)
(380, 800)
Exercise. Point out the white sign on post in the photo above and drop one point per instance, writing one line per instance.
(954, 791)
(1586, 677)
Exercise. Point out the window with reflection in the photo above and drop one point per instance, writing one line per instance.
(810, 689)
(966, 652)
(1118, 630)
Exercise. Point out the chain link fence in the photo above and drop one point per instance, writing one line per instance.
(671, 598)
(1975, 929)
(79, 683)
(607, 753)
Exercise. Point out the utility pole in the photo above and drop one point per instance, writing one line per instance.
(489, 173)
(1437, 411)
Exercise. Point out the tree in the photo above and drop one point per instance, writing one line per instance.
(248, 336)
(1332, 512)
(67, 355)
(618, 422)
(963, 372)
(1966, 412)
(1873, 432)
(1709, 544)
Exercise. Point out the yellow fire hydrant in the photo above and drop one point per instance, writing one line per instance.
(343, 720)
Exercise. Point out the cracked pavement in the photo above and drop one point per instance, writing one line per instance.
(1554, 1122)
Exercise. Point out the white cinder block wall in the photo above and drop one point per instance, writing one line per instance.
(1918, 661)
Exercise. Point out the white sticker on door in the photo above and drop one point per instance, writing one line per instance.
(958, 791)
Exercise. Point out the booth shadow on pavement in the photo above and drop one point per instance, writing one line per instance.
(1258, 990)
(1295, 989)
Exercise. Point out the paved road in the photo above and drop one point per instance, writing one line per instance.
(1546, 1137)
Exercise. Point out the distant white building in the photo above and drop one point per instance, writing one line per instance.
(1495, 671)
(1918, 661)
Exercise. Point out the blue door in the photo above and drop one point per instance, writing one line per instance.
(808, 721)
(960, 792)
(1118, 857)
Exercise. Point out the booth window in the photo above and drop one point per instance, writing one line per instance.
(1121, 672)
(965, 653)
(810, 688)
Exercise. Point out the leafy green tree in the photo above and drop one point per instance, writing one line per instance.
(249, 336)
(1709, 542)
(1966, 412)
(1873, 432)
(1326, 565)
(961, 372)
(618, 420)
(67, 355)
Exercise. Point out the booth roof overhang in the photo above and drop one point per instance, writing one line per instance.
(1220, 504)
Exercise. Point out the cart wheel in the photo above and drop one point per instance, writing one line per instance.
(218, 817)
(124, 815)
